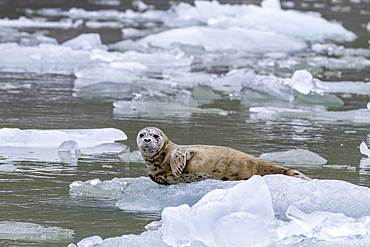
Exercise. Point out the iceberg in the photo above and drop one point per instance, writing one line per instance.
(294, 157)
(86, 138)
(24, 231)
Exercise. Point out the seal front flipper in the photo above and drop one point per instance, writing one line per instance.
(178, 160)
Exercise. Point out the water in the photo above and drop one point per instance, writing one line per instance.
(35, 185)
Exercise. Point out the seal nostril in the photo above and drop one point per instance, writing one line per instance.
(147, 140)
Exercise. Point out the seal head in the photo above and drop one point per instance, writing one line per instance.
(151, 141)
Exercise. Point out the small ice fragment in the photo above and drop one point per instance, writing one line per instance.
(364, 149)
(295, 156)
(90, 241)
(70, 147)
(8, 168)
(368, 105)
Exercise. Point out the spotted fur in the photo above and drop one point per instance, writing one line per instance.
(169, 163)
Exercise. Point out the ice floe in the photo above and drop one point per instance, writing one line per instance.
(284, 210)
(360, 116)
(294, 157)
(24, 231)
(12, 137)
(58, 145)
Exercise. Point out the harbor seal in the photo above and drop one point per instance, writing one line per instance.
(170, 163)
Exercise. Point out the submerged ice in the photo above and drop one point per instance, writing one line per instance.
(215, 213)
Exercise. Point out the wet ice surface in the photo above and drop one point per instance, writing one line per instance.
(289, 85)
(273, 210)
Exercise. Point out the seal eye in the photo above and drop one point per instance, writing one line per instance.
(141, 135)
(156, 136)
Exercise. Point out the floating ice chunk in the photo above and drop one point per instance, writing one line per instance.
(10, 137)
(85, 41)
(283, 22)
(108, 90)
(68, 151)
(24, 231)
(181, 105)
(296, 156)
(231, 39)
(97, 188)
(361, 88)
(43, 59)
(368, 105)
(364, 149)
(141, 194)
(8, 168)
(361, 116)
(303, 82)
(134, 156)
(317, 195)
(90, 241)
(24, 22)
(220, 210)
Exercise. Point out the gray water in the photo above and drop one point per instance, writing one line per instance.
(38, 191)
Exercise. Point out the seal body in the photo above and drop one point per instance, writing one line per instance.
(170, 163)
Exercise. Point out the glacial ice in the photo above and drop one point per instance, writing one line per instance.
(216, 213)
(24, 231)
(360, 116)
(86, 138)
(294, 157)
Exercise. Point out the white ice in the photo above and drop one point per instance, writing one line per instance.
(229, 39)
(251, 17)
(271, 210)
(24, 231)
(12, 137)
(364, 149)
(58, 145)
(24, 22)
(360, 116)
(294, 157)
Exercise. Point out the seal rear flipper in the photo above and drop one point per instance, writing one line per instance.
(178, 160)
